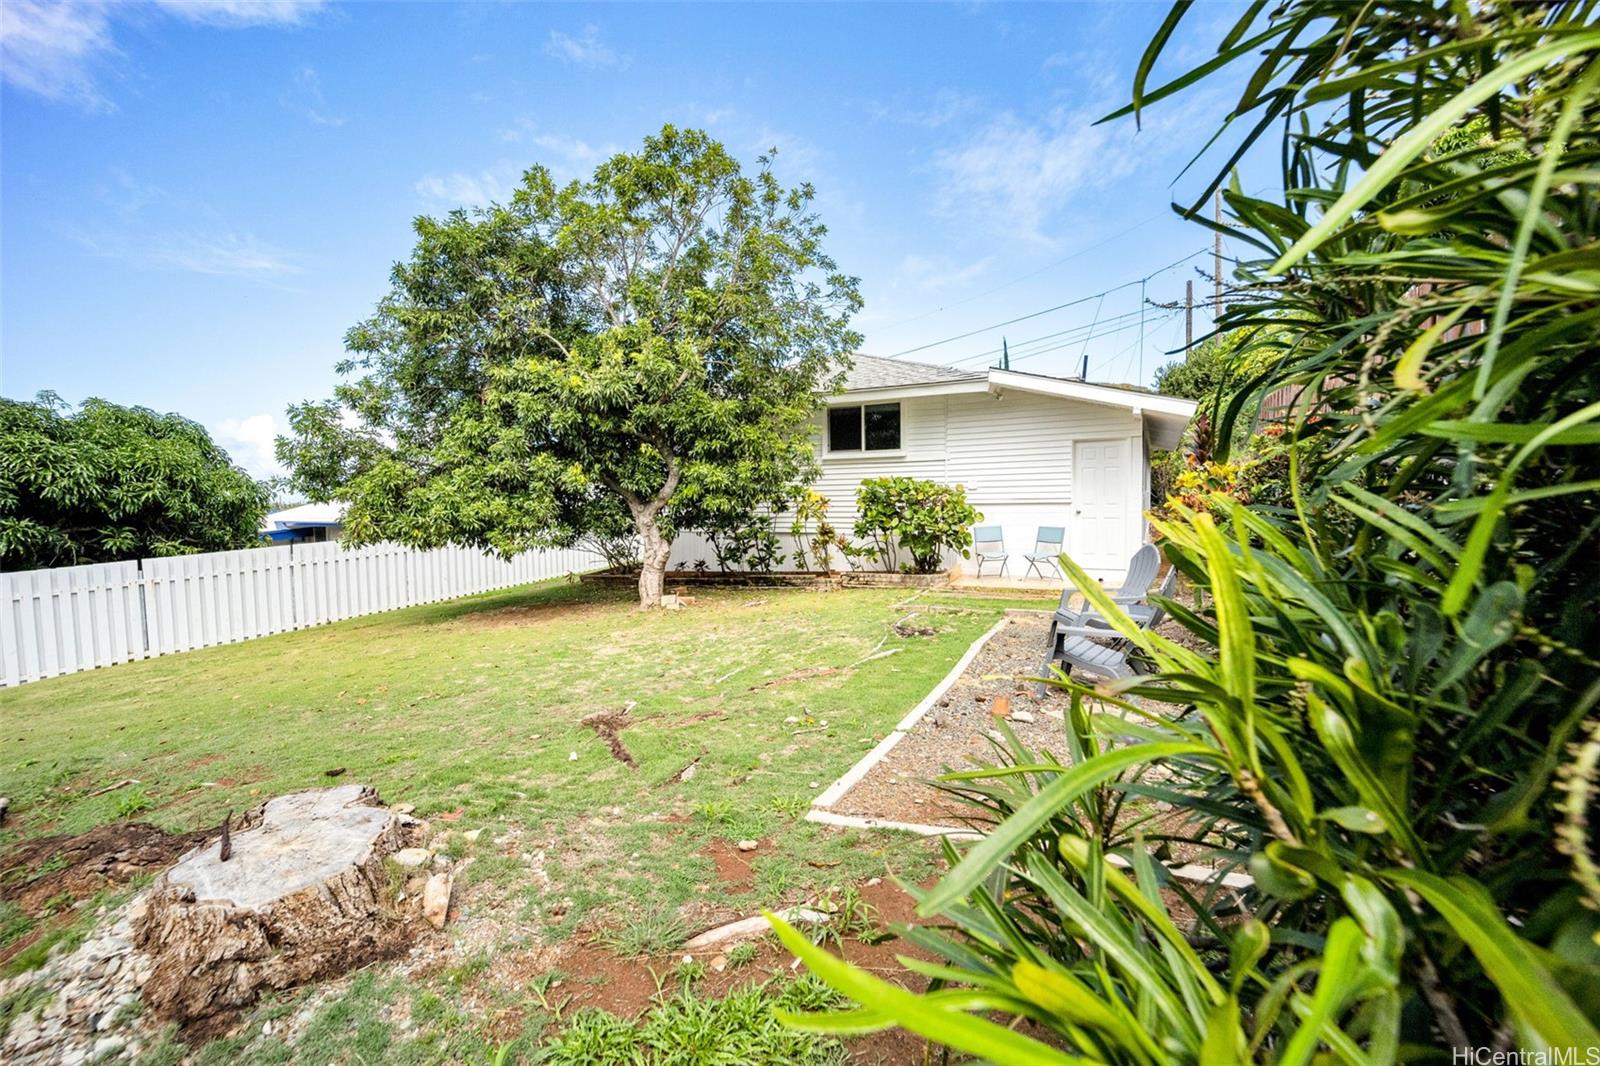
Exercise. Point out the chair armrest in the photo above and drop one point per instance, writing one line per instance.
(1086, 631)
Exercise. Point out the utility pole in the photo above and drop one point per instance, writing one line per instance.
(1217, 257)
(1188, 314)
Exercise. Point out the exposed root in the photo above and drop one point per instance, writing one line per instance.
(608, 724)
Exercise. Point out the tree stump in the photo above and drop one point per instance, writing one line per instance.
(304, 895)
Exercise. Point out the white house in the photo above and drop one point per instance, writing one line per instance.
(1031, 449)
(304, 523)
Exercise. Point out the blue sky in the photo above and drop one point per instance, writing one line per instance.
(198, 198)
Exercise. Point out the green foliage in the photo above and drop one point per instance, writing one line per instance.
(1391, 667)
(814, 536)
(131, 802)
(687, 1028)
(105, 483)
(924, 518)
(1210, 367)
(647, 343)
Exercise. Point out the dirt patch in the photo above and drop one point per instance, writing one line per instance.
(37, 871)
(734, 870)
(608, 724)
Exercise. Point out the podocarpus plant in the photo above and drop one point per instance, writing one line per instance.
(1402, 660)
(926, 519)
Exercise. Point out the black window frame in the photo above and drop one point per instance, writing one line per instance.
(861, 440)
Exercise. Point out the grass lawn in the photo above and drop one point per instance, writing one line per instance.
(471, 711)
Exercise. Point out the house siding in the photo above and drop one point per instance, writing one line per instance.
(1013, 453)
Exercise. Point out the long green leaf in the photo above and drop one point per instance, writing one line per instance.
(949, 1027)
(1005, 838)
(1531, 992)
(1416, 140)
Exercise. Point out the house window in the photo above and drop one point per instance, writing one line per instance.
(873, 427)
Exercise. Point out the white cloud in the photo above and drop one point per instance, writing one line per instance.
(462, 188)
(936, 274)
(1015, 175)
(930, 111)
(54, 50)
(241, 12)
(304, 95)
(249, 442)
(47, 48)
(222, 254)
(585, 50)
(569, 157)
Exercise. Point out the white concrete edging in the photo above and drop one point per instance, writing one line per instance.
(836, 791)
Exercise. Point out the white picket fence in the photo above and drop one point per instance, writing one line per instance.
(75, 618)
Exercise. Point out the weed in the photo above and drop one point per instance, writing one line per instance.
(718, 812)
(131, 802)
(743, 954)
(850, 915)
(649, 932)
(689, 971)
(740, 1027)
(14, 924)
(790, 806)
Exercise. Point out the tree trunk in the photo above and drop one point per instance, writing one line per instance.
(304, 895)
(657, 550)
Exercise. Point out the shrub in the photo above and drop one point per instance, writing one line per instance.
(1386, 693)
(924, 518)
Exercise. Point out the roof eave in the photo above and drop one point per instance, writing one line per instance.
(895, 392)
(1136, 402)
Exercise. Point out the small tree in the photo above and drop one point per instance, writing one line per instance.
(655, 337)
(104, 483)
(925, 518)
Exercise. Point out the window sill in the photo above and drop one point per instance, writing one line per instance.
(896, 453)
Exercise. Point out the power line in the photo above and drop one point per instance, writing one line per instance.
(1031, 274)
(1047, 310)
(1071, 335)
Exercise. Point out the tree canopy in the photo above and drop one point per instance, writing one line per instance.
(105, 483)
(642, 348)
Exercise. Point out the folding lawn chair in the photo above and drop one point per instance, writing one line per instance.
(1046, 550)
(988, 545)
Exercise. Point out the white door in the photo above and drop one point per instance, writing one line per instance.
(1099, 504)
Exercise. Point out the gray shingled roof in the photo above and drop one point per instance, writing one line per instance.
(871, 372)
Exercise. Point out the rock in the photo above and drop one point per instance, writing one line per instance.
(302, 897)
(793, 719)
(874, 882)
(471, 836)
(1001, 707)
(719, 964)
(404, 808)
(436, 899)
(1021, 716)
(411, 858)
(108, 1045)
(748, 845)
(996, 736)
(572, 756)
(688, 773)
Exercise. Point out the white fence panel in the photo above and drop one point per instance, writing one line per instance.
(76, 618)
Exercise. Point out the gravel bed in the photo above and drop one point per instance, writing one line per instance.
(956, 732)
